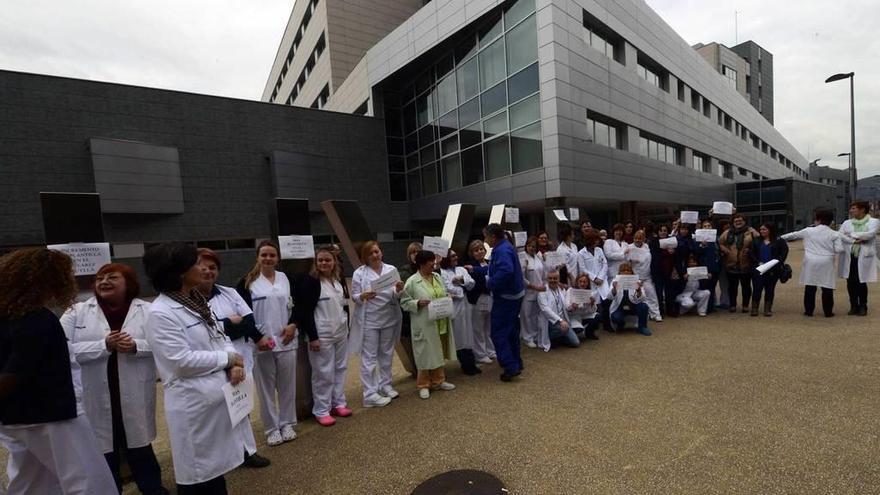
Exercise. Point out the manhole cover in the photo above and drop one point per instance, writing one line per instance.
(462, 482)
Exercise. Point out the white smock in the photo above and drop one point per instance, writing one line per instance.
(596, 267)
(615, 254)
(867, 250)
(383, 311)
(461, 323)
(821, 247)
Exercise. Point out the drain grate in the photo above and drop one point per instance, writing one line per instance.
(461, 482)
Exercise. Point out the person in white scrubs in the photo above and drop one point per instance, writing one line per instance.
(320, 313)
(615, 250)
(569, 271)
(267, 290)
(822, 245)
(591, 260)
(858, 264)
(457, 280)
(108, 338)
(638, 254)
(584, 317)
(554, 312)
(43, 424)
(533, 327)
(233, 313)
(693, 296)
(375, 325)
(195, 360)
(480, 302)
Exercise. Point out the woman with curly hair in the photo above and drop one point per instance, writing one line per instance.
(43, 426)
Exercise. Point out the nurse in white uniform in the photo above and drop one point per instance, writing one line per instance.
(615, 250)
(108, 338)
(822, 245)
(858, 263)
(480, 302)
(268, 291)
(320, 313)
(568, 249)
(375, 327)
(233, 313)
(457, 280)
(533, 327)
(195, 360)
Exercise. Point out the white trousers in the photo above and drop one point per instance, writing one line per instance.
(529, 321)
(651, 298)
(461, 325)
(480, 325)
(690, 300)
(246, 434)
(276, 372)
(56, 458)
(376, 357)
(328, 376)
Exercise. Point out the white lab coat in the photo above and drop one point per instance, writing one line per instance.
(596, 267)
(635, 297)
(867, 252)
(821, 247)
(582, 312)
(461, 323)
(272, 306)
(571, 263)
(86, 328)
(383, 311)
(226, 303)
(693, 297)
(191, 359)
(614, 254)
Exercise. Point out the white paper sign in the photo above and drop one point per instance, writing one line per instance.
(436, 245)
(440, 308)
(520, 238)
(691, 217)
(668, 243)
(574, 214)
(511, 215)
(698, 273)
(385, 281)
(484, 303)
(765, 267)
(722, 208)
(579, 296)
(627, 282)
(560, 215)
(88, 257)
(554, 259)
(296, 247)
(239, 399)
(705, 235)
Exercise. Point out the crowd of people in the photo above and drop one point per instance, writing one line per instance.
(84, 385)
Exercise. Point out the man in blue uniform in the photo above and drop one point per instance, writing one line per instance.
(505, 280)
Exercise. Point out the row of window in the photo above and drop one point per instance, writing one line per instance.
(307, 70)
(322, 98)
(602, 38)
(300, 32)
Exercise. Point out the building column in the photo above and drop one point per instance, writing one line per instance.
(688, 158)
(631, 55)
(715, 165)
(632, 140)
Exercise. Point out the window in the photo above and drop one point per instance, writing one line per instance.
(681, 88)
(695, 100)
(321, 100)
(601, 38)
(725, 170)
(652, 72)
(525, 145)
(743, 172)
(522, 45)
(707, 108)
(702, 163)
(604, 131)
(304, 75)
(659, 149)
(730, 75)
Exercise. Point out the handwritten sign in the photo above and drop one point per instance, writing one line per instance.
(698, 273)
(520, 238)
(579, 296)
(668, 243)
(436, 245)
(574, 214)
(705, 235)
(296, 247)
(440, 308)
(511, 215)
(722, 208)
(239, 399)
(627, 282)
(554, 259)
(691, 217)
(386, 281)
(560, 215)
(87, 258)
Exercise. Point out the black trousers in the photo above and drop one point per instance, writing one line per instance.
(858, 292)
(743, 279)
(765, 283)
(142, 461)
(216, 486)
(810, 300)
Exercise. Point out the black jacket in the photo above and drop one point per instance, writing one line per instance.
(308, 291)
(35, 371)
(778, 251)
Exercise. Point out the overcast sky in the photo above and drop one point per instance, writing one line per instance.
(226, 48)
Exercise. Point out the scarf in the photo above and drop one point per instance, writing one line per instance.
(737, 236)
(196, 302)
(859, 226)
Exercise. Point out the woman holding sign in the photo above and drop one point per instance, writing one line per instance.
(456, 280)
(195, 360)
(108, 338)
(591, 260)
(433, 341)
(268, 292)
(767, 248)
(615, 250)
(628, 298)
(584, 311)
(480, 302)
(375, 288)
(532, 325)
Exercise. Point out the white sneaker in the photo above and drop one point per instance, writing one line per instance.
(531, 344)
(447, 386)
(657, 318)
(287, 433)
(485, 360)
(376, 400)
(424, 393)
(274, 438)
(389, 392)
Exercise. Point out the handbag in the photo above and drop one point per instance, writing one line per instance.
(785, 274)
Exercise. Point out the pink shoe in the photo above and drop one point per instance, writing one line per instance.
(325, 420)
(342, 412)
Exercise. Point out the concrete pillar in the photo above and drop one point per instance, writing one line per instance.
(632, 140)
(631, 55)
(715, 166)
(688, 158)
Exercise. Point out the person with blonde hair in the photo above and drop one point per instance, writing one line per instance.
(626, 302)
(584, 317)
(639, 257)
(456, 280)
(532, 327)
(480, 302)
(43, 425)
(375, 326)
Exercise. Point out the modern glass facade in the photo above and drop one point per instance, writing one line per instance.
(473, 114)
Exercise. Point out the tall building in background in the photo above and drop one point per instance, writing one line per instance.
(746, 67)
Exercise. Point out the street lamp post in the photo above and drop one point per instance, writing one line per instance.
(853, 178)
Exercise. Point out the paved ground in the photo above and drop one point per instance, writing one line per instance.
(723, 404)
